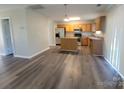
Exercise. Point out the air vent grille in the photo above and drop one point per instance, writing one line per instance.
(36, 7)
(98, 5)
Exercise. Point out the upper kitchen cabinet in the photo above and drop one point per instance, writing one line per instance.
(60, 26)
(70, 27)
(87, 27)
(77, 26)
(67, 27)
(84, 27)
(100, 23)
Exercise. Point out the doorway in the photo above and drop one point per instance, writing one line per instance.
(7, 37)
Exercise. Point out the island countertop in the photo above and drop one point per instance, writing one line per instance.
(95, 38)
(69, 38)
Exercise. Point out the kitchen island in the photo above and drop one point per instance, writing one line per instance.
(69, 43)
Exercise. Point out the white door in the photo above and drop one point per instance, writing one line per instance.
(7, 36)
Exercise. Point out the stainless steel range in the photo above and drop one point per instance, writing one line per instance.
(78, 33)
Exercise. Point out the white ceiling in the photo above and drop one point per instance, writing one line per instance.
(57, 12)
(4, 7)
(84, 11)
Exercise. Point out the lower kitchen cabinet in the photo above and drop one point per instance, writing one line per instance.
(96, 46)
(84, 41)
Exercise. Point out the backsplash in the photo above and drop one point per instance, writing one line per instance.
(87, 33)
(69, 34)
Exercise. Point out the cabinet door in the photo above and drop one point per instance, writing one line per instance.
(97, 47)
(67, 28)
(71, 28)
(80, 26)
(60, 26)
(98, 23)
(84, 41)
(89, 27)
(84, 27)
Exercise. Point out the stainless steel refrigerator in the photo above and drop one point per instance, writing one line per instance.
(59, 33)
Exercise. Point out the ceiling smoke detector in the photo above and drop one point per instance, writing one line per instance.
(36, 7)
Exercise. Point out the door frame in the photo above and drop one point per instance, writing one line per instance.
(11, 33)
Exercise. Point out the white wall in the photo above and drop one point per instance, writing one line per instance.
(18, 22)
(114, 38)
(32, 32)
(38, 27)
(52, 26)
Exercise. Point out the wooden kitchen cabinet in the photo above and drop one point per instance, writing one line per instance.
(60, 26)
(84, 41)
(67, 28)
(71, 27)
(96, 46)
(84, 27)
(100, 23)
(87, 27)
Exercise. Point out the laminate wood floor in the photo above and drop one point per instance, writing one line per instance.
(55, 69)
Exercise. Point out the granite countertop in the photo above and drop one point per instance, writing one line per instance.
(95, 38)
(71, 37)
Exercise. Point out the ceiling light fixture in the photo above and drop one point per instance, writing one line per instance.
(67, 19)
(74, 18)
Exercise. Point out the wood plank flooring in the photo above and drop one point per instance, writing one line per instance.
(55, 69)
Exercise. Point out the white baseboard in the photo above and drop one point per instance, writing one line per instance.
(1, 54)
(29, 57)
(114, 67)
(26, 57)
(52, 45)
(39, 52)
